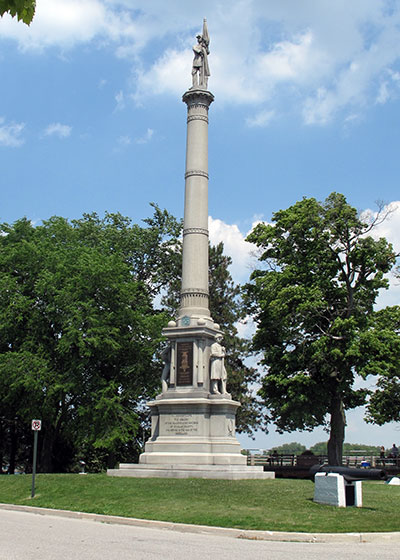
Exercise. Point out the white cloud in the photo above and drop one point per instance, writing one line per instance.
(390, 230)
(168, 74)
(252, 64)
(146, 137)
(261, 119)
(235, 246)
(67, 23)
(58, 129)
(390, 226)
(246, 329)
(124, 140)
(352, 118)
(10, 134)
(120, 99)
(287, 60)
(328, 57)
(383, 94)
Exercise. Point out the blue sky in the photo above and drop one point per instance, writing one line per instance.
(307, 101)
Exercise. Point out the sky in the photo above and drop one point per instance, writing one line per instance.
(307, 101)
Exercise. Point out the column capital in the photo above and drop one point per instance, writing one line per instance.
(198, 96)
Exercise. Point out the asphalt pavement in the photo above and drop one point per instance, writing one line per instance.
(33, 535)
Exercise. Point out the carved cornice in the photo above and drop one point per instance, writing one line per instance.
(196, 172)
(202, 231)
(198, 97)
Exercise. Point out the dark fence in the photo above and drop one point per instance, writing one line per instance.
(255, 457)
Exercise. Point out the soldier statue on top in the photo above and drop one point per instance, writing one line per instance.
(201, 69)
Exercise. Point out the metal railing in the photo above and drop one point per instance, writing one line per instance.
(291, 460)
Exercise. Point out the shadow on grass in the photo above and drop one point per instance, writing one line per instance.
(364, 508)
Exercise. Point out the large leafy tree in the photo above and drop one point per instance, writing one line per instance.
(313, 303)
(383, 341)
(78, 331)
(23, 9)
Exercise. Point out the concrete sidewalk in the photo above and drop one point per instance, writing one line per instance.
(280, 536)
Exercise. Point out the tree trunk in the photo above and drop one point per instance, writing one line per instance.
(2, 446)
(13, 448)
(336, 436)
(46, 456)
(111, 460)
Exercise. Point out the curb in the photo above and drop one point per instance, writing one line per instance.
(218, 531)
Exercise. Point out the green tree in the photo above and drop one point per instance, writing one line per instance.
(312, 302)
(383, 341)
(23, 9)
(360, 449)
(320, 448)
(292, 448)
(79, 332)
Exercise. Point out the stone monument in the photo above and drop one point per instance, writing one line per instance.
(334, 490)
(193, 419)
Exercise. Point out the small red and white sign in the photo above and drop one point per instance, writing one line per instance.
(36, 425)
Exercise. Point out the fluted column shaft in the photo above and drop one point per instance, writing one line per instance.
(194, 291)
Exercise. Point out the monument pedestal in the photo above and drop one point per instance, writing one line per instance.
(192, 430)
(189, 424)
(199, 431)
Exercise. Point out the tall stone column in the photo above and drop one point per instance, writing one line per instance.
(193, 419)
(194, 291)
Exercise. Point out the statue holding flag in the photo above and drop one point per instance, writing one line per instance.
(200, 69)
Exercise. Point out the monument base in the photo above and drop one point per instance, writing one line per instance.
(193, 431)
(193, 419)
(222, 472)
(192, 437)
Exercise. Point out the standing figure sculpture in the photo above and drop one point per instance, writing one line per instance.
(166, 357)
(201, 69)
(218, 375)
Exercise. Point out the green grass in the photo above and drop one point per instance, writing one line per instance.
(276, 505)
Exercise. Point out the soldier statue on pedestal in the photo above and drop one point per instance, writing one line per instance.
(201, 69)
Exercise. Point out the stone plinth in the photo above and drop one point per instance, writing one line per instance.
(189, 425)
(332, 489)
(199, 431)
(222, 472)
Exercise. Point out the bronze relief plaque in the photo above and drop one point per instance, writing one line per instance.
(184, 369)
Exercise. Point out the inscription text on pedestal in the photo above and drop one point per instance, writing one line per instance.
(184, 369)
(182, 425)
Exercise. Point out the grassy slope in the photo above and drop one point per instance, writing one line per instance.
(279, 505)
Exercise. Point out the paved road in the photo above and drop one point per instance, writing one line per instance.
(28, 536)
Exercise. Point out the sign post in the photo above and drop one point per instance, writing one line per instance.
(36, 427)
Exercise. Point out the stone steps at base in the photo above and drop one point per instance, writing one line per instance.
(191, 467)
(222, 472)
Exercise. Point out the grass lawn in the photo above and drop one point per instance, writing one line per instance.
(276, 505)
